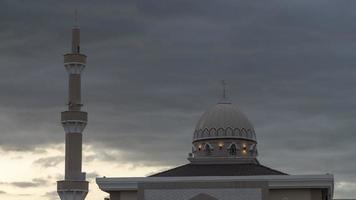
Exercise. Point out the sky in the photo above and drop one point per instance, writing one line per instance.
(155, 66)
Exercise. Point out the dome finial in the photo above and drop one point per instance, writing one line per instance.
(223, 83)
(224, 98)
(76, 17)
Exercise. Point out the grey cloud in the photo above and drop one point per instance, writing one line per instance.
(154, 67)
(49, 161)
(2, 192)
(37, 182)
(24, 184)
(23, 194)
(92, 175)
(51, 195)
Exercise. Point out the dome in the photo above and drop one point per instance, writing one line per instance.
(224, 121)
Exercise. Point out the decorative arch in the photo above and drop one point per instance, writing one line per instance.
(229, 131)
(199, 133)
(221, 132)
(213, 132)
(249, 134)
(243, 132)
(237, 132)
(254, 134)
(206, 133)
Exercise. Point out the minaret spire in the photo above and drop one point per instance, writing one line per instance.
(74, 186)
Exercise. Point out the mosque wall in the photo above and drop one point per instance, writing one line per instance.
(219, 194)
(200, 194)
(232, 190)
(295, 194)
(123, 195)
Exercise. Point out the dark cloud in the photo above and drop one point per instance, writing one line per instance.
(155, 66)
(2, 192)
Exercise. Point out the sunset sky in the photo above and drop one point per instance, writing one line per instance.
(154, 66)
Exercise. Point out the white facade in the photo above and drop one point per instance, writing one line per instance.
(275, 187)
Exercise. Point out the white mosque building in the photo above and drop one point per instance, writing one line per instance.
(223, 163)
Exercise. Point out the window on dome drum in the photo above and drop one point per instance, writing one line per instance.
(233, 150)
(207, 149)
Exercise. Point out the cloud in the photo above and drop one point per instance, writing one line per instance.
(51, 195)
(36, 182)
(154, 67)
(92, 175)
(51, 161)
(2, 192)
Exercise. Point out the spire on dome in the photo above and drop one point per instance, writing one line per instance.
(223, 82)
(76, 17)
(224, 98)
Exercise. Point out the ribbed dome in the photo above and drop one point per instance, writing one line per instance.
(223, 115)
(224, 120)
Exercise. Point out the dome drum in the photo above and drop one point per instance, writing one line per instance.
(227, 148)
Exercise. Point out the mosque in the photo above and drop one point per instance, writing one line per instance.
(223, 165)
(223, 162)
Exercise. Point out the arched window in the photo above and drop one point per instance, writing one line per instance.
(252, 149)
(233, 150)
(208, 148)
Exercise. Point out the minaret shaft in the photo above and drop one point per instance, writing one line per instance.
(73, 157)
(74, 186)
(74, 101)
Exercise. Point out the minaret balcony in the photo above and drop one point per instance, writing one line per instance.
(75, 58)
(74, 116)
(74, 121)
(74, 68)
(72, 190)
(73, 126)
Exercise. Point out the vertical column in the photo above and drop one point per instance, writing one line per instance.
(74, 102)
(73, 156)
(74, 186)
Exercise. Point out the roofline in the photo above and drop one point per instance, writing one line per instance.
(274, 181)
(256, 162)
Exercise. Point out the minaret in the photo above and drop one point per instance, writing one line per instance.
(74, 186)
